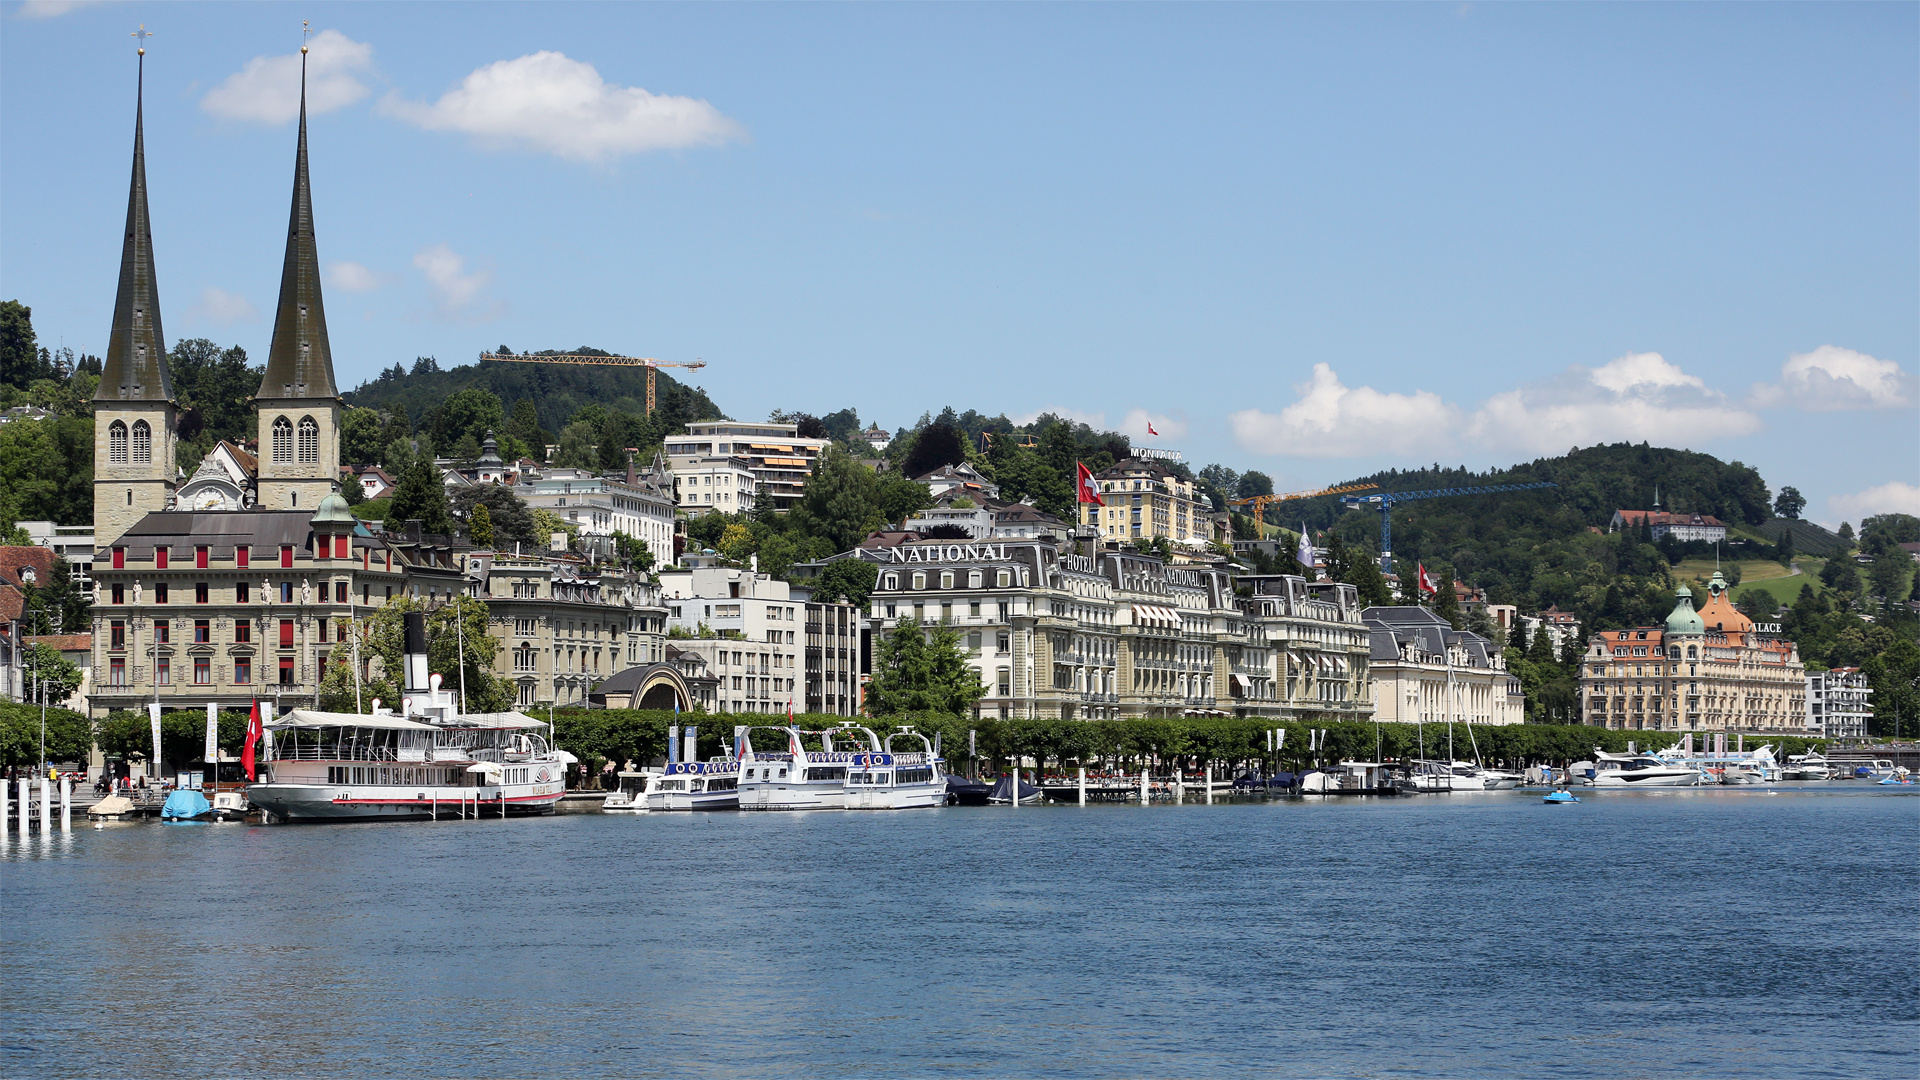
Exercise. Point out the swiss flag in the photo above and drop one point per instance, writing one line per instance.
(1426, 583)
(253, 735)
(1089, 491)
(1150, 430)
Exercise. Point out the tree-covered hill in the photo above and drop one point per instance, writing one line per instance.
(557, 391)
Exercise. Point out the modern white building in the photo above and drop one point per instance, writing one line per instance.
(749, 629)
(721, 483)
(778, 457)
(73, 543)
(640, 506)
(1839, 703)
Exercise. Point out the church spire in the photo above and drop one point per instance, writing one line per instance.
(299, 361)
(136, 364)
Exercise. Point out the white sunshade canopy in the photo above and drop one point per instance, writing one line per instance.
(311, 718)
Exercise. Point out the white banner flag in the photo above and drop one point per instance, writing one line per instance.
(213, 733)
(153, 714)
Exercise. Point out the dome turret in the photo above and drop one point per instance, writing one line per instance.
(1684, 619)
(332, 509)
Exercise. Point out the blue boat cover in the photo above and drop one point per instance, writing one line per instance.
(1004, 790)
(185, 803)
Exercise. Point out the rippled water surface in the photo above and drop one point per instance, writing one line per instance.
(1739, 933)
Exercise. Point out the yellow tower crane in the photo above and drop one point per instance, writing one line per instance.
(1259, 503)
(593, 358)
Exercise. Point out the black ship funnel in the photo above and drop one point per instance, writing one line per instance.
(416, 652)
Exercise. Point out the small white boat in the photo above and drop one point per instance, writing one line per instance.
(1639, 771)
(1425, 778)
(631, 796)
(696, 785)
(891, 780)
(1808, 766)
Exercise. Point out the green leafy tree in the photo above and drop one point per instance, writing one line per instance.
(922, 669)
(19, 347)
(1251, 484)
(421, 494)
(340, 693)
(56, 606)
(386, 636)
(546, 523)
(1445, 603)
(68, 735)
(851, 580)
(46, 470)
(44, 669)
(525, 426)
(480, 527)
(578, 442)
(508, 514)
(1789, 503)
(360, 431)
(632, 551)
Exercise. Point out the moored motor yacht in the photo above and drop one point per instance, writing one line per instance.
(800, 779)
(1807, 766)
(631, 796)
(1638, 770)
(892, 780)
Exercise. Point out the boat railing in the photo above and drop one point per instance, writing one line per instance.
(334, 752)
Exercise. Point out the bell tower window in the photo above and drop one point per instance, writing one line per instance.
(282, 439)
(142, 441)
(309, 440)
(117, 443)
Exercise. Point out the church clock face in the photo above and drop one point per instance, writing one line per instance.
(210, 499)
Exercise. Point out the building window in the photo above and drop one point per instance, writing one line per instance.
(117, 443)
(320, 626)
(119, 558)
(142, 442)
(243, 557)
(117, 672)
(309, 440)
(286, 556)
(163, 667)
(286, 633)
(973, 608)
(339, 592)
(119, 593)
(286, 672)
(974, 580)
(200, 558)
(161, 557)
(160, 593)
(243, 669)
(286, 592)
(242, 632)
(919, 580)
(1002, 578)
(946, 579)
(242, 592)
(162, 632)
(1003, 642)
(202, 631)
(202, 671)
(340, 547)
(200, 592)
(282, 439)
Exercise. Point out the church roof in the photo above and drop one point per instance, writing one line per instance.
(299, 360)
(1685, 620)
(136, 364)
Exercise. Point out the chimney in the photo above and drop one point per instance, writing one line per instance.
(415, 652)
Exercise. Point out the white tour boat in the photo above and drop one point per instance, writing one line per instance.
(697, 785)
(1639, 771)
(800, 779)
(631, 796)
(891, 780)
(427, 761)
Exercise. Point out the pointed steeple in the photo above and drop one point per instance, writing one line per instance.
(136, 364)
(299, 361)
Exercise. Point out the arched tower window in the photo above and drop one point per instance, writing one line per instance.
(309, 440)
(117, 443)
(282, 439)
(142, 441)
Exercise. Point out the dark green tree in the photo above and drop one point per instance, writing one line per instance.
(922, 669)
(360, 432)
(421, 494)
(851, 580)
(19, 348)
(506, 512)
(1789, 503)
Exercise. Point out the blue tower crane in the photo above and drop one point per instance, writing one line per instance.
(1385, 501)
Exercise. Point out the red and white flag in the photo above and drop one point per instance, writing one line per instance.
(1426, 583)
(1150, 430)
(1088, 488)
(253, 735)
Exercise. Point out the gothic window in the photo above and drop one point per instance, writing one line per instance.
(282, 439)
(142, 441)
(309, 440)
(117, 443)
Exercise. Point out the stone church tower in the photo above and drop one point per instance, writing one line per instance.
(299, 408)
(133, 427)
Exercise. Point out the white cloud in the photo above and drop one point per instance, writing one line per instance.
(1895, 497)
(456, 292)
(353, 277)
(1831, 378)
(267, 90)
(1095, 420)
(222, 308)
(50, 9)
(1164, 426)
(1640, 396)
(1332, 419)
(548, 102)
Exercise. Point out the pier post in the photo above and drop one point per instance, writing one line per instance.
(435, 810)
(46, 807)
(66, 803)
(6, 823)
(26, 814)
(1015, 789)
(1209, 785)
(1143, 787)
(1179, 787)
(1083, 785)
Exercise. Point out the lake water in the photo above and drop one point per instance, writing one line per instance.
(1745, 932)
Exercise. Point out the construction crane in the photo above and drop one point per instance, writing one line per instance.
(1261, 502)
(593, 358)
(1385, 502)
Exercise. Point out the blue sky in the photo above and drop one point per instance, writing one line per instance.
(1312, 240)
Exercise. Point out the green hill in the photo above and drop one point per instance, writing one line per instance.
(556, 390)
(1808, 538)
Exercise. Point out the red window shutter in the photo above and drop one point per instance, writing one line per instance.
(119, 558)
(160, 557)
(286, 633)
(200, 558)
(340, 547)
(243, 556)
(286, 556)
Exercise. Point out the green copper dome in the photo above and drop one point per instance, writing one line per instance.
(1684, 619)
(332, 508)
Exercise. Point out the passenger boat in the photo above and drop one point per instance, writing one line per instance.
(630, 797)
(697, 785)
(426, 761)
(1424, 778)
(892, 780)
(1638, 771)
(800, 779)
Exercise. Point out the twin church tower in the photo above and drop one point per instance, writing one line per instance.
(135, 416)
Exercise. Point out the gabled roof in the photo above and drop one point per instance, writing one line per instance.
(136, 365)
(1661, 517)
(15, 560)
(63, 642)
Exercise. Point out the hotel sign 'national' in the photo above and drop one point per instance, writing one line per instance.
(934, 553)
